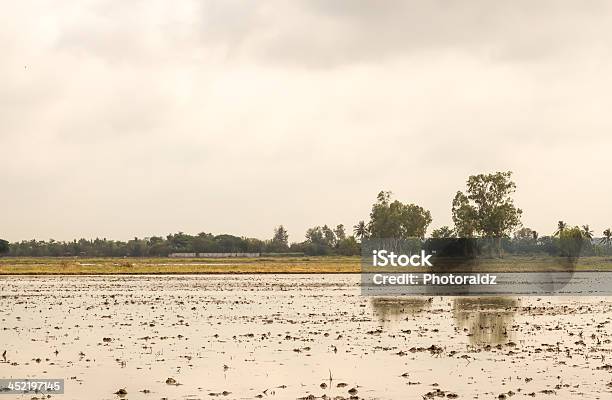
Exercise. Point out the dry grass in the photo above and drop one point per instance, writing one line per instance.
(85, 266)
(76, 266)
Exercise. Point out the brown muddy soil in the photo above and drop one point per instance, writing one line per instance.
(296, 336)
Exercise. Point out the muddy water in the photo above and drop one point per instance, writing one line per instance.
(284, 336)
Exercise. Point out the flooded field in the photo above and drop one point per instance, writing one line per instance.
(296, 336)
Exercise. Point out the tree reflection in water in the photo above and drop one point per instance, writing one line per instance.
(487, 320)
(391, 309)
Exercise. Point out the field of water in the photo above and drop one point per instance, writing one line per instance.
(296, 336)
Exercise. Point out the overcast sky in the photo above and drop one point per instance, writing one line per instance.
(133, 118)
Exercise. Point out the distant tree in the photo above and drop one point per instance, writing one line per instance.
(154, 246)
(348, 246)
(587, 233)
(136, 248)
(340, 232)
(230, 244)
(525, 234)
(318, 241)
(180, 242)
(204, 243)
(280, 240)
(158, 246)
(561, 226)
(315, 235)
(4, 246)
(443, 232)
(361, 230)
(525, 240)
(487, 207)
(571, 242)
(322, 240)
(607, 237)
(393, 219)
(329, 235)
(257, 246)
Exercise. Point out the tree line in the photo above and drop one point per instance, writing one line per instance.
(485, 210)
(320, 240)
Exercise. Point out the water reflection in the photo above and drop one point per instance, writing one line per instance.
(487, 320)
(391, 309)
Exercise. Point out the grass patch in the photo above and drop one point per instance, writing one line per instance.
(87, 266)
(265, 265)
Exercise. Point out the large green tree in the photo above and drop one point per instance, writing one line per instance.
(487, 208)
(394, 219)
(464, 216)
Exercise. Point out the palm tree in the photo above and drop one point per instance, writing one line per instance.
(561, 226)
(361, 230)
(607, 239)
(587, 233)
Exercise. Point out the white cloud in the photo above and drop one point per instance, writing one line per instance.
(146, 117)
